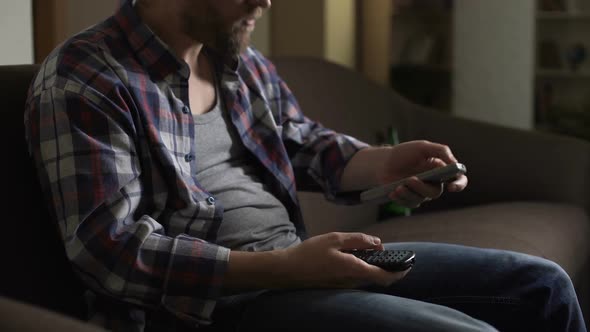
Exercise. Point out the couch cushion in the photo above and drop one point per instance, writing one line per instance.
(557, 232)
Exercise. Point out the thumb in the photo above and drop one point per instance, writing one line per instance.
(359, 241)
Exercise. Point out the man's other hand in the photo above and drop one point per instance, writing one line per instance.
(408, 159)
(319, 262)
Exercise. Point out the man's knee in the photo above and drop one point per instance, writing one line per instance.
(551, 282)
(553, 275)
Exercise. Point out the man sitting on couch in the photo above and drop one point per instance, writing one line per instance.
(170, 153)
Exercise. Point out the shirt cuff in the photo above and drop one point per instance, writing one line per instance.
(194, 278)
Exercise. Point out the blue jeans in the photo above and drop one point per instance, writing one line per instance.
(450, 288)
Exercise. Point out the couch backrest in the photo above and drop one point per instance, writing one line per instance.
(323, 90)
(36, 269)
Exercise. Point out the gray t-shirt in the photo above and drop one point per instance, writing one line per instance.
(253, 219)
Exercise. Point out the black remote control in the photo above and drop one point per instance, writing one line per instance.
(390, 260)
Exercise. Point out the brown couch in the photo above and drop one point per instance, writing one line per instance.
(528, 191)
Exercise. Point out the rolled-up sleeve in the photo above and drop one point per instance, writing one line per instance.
(318, 154)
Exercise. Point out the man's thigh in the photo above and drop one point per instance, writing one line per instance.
(447, 270)
(350, 310)
(450, 288)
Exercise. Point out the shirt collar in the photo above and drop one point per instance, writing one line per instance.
(153, 53)
(150, 50)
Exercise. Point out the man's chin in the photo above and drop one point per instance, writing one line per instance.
(233, 46)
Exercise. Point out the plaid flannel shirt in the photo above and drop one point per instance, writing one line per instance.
(112, 136)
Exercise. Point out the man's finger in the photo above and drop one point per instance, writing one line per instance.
(459, 184)
(423, 189)
(358, 241)
(440, 151)
(406, 198)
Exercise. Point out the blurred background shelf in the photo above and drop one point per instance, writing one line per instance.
(428, 85)
(562, 77)
(420, 51)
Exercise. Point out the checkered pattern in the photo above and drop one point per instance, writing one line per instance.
(110, 131)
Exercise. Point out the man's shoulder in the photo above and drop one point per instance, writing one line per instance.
(258, 65)
(80, 57)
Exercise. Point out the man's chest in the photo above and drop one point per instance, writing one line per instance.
(202, 95)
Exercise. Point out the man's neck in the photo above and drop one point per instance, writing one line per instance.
(166, 25)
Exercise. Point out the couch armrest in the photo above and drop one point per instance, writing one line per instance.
(506, 164)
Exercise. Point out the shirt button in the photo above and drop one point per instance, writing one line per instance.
(210, 200)
(188, 158)
(185, 109)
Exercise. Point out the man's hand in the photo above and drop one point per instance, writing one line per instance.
(383, 165)
(319, 262)
(316, 262)
(408, 159)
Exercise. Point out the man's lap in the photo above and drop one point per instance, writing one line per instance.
(482, 283)
(350, 310)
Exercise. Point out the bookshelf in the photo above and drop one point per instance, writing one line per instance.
(521, 66)
(562, 71)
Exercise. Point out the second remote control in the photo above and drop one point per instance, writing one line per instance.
(390, 260)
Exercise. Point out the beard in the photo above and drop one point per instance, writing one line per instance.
(234, 42)
(214, 33)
